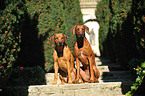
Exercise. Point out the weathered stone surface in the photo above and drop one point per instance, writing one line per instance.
(50, 78)
(87, 89)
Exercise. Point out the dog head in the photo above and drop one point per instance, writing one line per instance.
(80, 30)
(59, 39)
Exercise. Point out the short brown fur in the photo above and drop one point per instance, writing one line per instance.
(84, 54)
(64, 59)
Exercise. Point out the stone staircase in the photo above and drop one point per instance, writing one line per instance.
(114, 81)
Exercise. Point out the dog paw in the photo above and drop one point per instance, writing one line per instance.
(76, 81)
(96, 80)
(61, 83)
(70, 83)
(91, 81)
(81, 82)
(53, 83)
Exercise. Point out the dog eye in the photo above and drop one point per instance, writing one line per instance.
(62, 38)
(77, 29)
(56, 38)
(83, 29)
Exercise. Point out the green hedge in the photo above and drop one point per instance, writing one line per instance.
(25, 76)
(122, 36)
(103, 15)
(122, 26)
(10, 35)
(26, 27)
(43, 18)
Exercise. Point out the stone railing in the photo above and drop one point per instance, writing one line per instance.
(88, 3)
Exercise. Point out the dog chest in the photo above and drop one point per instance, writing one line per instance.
(62, 63)
(82, 57)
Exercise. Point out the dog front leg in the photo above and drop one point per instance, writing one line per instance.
(91, 70)
(62, 80)
(69, 73)
(96, 72)
(56, 73)
(78, 70)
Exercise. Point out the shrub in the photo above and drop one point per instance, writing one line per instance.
(103, 15)
(10, 36)
(26, 28)
(123, 35)
(43, 19)
(25, 76)
(124, 29)
(139, 67)
(63, 16)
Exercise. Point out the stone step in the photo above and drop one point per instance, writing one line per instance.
(103, 60)
(119, 73)
(103, 68)
(50, 78)
(116, 75)
(112, 67)
(87, 89)
(112, 76)
(117, 80)
(106, 68)
(100, 61)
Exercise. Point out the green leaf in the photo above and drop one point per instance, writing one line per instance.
(128, 93)
(143, 65)
(133, 88)
(137, 79)
(140, 79)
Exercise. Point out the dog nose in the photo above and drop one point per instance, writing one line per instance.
(60, 43)
(81, 34)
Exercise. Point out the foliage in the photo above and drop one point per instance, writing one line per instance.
(103, 16)
(140, 71)
(121, 29)
(26, 29)
(10, 34)
(26, 76)
(122, 36)
(63, 19)
(72, 17)
(51, 17)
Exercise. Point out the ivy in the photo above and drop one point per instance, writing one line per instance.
(140, 71)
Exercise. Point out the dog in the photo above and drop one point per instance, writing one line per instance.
(84, 54)
(94, 28)
(64, 59)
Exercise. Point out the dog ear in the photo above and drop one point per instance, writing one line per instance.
(73, 30)
(52, 38)
(65, 37)
(87, 29)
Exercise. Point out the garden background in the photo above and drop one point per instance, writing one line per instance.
(122, 35)
(26, 27)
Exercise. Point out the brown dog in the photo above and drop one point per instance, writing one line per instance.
(64, 59)
(84, 54)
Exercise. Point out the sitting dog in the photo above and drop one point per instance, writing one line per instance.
(84, 54)
(64, 59)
